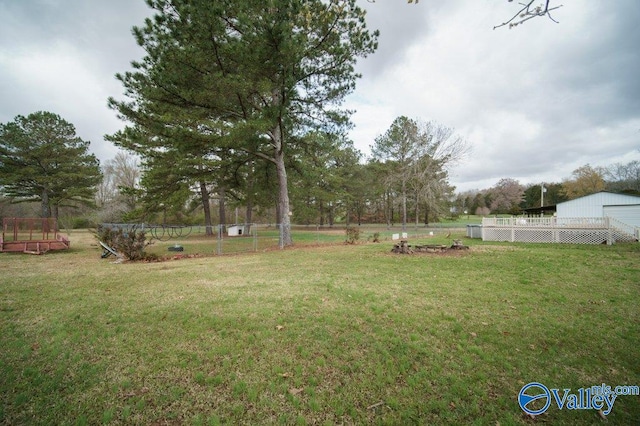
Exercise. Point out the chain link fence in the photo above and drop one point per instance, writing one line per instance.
(252, 237)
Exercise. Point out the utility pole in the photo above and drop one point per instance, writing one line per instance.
(542, 191)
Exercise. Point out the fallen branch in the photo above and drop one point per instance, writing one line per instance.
(376, 405)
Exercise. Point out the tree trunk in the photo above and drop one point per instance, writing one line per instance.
(392, 218)
(249, 211)
(404, 205)
(348, 222)
(283, 192)
(308, 204)
(46, 208)
(417, 212)
(207, 209)
(388, 210)
(222, 210)
(380, 211)
(277, 139)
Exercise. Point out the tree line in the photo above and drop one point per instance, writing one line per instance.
(42, 160)
(404, 181)
(330, 182)
(508, 196)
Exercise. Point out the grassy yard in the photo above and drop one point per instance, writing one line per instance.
(264, 237)
(317, 335)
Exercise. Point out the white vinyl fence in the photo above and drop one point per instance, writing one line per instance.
(581, 230)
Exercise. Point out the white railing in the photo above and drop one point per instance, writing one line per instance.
(578, 230)
(622, 227)
(548, 222)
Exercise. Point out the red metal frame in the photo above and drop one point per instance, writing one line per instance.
(31, 235)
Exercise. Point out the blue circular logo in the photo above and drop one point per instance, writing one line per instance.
(534, 392)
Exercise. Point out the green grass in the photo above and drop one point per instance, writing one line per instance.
(266, 238)
(316, 335)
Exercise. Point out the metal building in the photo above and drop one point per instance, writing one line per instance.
(622, 207)
(603, 217)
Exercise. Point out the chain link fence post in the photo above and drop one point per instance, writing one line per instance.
(254, 231)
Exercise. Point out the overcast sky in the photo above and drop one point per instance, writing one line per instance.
(534, 102)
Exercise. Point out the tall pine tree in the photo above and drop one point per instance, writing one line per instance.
(251, 75)
(42, 159)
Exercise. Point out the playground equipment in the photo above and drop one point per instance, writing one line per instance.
(31, 235)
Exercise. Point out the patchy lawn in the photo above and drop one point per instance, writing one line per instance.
(316, 335)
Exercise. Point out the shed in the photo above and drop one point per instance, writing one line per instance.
(540, 211)
(623, 207)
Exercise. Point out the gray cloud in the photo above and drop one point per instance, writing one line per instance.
(399, 25)
(535, 102)
(62, 56)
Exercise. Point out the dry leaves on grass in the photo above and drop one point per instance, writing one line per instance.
(296, 391)
(143, 390)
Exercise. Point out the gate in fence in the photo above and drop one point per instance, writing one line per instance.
(238, 237)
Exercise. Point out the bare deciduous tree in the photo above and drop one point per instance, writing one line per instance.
(429, 173)
(419, 154)
(116, 195)
(506, 196)
(624, 177)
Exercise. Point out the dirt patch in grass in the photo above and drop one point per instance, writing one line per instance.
(492, 248)
(438, 253)
(446, 253)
